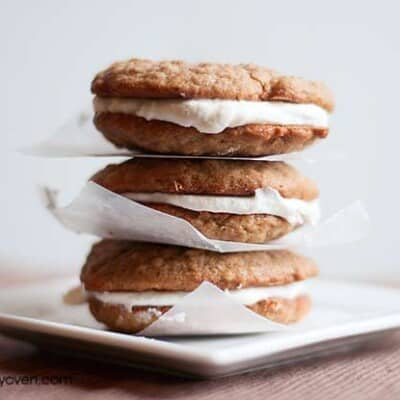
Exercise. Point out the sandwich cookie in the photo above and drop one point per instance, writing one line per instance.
(241, 201)
(174, 107)
(129, 285)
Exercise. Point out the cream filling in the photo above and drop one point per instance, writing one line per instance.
(265, 201)
(154, 298)
(213, 115)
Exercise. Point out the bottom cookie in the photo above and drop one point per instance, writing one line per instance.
(253, 140)
(250, 228)
(129, 285)
(121, 319)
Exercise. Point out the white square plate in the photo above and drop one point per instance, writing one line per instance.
(344, 315)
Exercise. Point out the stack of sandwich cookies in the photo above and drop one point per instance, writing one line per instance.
(130, 285)
(240, 201)
(173, 107)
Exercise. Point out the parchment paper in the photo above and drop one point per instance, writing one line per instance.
(209, 311)
(102, 213)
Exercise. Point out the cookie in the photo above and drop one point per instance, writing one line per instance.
(178, 79)
(123, 267)
(120, 319)
(174, 107)
(255, 140)
(199, 176)
(253, 228)
(209, 193)
(115, 265)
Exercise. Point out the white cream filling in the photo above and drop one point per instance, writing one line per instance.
(265, 201)
(213, 115)
(154, 298)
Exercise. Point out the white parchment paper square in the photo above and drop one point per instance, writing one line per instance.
(102, 213)
(209, 311)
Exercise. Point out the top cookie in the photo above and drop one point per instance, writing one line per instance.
(178, 79)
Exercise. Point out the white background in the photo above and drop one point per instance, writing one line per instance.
(50, 51)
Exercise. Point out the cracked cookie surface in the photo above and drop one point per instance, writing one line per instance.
(142, 78)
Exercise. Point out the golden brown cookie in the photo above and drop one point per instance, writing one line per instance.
(253, 228)
(213, 177)
(129, 266)
(140, 78)
(253, 140)
(148, 79)
(123, 266)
